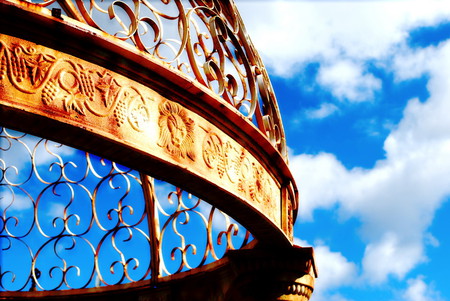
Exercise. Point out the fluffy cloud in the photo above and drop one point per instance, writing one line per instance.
(390, 256)
(396, 199)
(320, 179)
(412, 63)
(348, 80)
(418, 290)
(334, 271)
(290, 33)
(341, 38)
(325, 110)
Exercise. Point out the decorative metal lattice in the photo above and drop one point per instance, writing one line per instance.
(204, 39)
(69, 219)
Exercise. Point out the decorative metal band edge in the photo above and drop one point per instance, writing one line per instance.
(34, 22)
(58, 86)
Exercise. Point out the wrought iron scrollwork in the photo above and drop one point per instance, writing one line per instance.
(215, 233)
(204, 39)
(76, 221)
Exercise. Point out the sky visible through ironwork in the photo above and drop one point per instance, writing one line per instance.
(61, 207)
(364, 92)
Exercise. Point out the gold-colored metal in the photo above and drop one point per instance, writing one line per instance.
(205, 40)
(54, 208)
(175, 91)
(51, 83)
(72, 218)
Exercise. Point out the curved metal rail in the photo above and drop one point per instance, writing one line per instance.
(173, 89)
(79, 221)
(205, 40)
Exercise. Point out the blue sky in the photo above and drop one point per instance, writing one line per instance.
(364, 92)
(65, 182)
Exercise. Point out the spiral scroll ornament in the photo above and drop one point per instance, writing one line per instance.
(80, 221)
(203, 39)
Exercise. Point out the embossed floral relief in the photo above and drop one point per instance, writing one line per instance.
(132, 107)
(223, 157)
(213, 153)
(27, 69)
(176, 130)
(251, 179)
(234, 158)
(72, 87)
(77, 90)
(260, 188)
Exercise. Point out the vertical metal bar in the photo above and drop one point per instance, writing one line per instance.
(153, 226)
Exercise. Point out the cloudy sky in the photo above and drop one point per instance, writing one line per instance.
(364, 90)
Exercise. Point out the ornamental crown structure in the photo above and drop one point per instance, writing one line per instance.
(142, 155)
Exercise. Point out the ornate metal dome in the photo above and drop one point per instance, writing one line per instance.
(168, 178)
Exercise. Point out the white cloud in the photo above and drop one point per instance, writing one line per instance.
(396, 200)
(14, 199)
(411, 63)
(334, 271)
(56, 210)
(431, 240)
(390, 256)
(418, 290)
(290, 33)
(348, 81)
(325, 110)
(320, 178)
(341, 37)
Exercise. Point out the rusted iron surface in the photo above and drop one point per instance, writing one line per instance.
(176, 91)
(250, 275)
(77, 221)
(72, 91)
(205, 40)
(80, 39)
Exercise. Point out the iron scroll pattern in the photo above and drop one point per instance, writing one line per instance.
(97, 96)
(78, 221)
(204, 39)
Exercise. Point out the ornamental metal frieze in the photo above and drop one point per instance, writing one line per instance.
(76, 220)
(176, 130)
(70, 90)
(231, 162)
(170, 155)
(71, 87)
(204, 40)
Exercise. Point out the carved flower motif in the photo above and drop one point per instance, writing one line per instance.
(176, 130)
(261, 188)
(213, 153)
